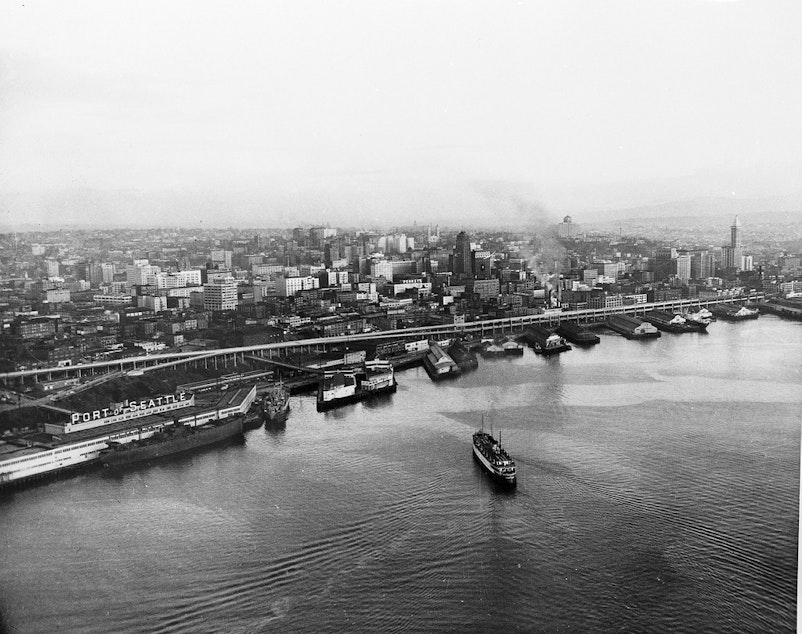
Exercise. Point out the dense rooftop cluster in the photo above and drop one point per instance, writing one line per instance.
(80, 296)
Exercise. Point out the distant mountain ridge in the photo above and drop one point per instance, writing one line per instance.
(768, 209)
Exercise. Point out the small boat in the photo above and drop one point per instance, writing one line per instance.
(495, 460)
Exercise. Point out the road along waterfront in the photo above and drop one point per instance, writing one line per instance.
(658, 489)
(481, 327)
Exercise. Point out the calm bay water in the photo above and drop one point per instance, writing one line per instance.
(658, 490)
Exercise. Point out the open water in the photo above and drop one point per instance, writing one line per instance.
(658, 491)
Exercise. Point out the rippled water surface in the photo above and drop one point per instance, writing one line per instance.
(658, 491)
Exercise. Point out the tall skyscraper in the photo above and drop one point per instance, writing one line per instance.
(735, 234)
(732, 253)
(702, 265)
(463, 262)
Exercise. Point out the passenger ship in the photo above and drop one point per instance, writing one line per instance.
(495, 460)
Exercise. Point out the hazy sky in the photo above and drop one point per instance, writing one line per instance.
(278, 112)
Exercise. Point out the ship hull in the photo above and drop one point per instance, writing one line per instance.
(577, 335)
(194, 439)
(506, 480)
(630, 333)
(273, 414)
(698, 326)
(546, 352)
(668, 327)
(356, 397)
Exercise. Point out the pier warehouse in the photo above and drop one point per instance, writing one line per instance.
(77, 442)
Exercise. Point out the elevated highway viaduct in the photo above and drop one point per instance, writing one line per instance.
(226, 357)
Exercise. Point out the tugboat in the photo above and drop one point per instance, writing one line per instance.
(495, 460)
(276, 402)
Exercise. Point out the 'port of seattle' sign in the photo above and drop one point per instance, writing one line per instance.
(128, 410)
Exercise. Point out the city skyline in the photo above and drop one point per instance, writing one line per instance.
(384, 114)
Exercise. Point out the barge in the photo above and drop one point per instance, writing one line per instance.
(699, 320)
(729, 312)
(631, 327)
(577, 334)
(545, 342)
(668, 322)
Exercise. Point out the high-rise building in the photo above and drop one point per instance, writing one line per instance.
(140, 273)
(735, 234)
(289, 286)
(220, 294)
(703, 265)
(107, 272)
(463, 260)
(178, 279)
(665, 262)
(483, 264)
(684, 266)
(747, 263)
(731, 254)
(567, 228)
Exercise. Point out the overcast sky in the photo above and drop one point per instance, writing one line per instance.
(273, 113)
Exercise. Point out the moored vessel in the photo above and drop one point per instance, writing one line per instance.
(493, 458)
(276, 402)
(543, 341)
(735, 313)
(351, 385)
(171, 440)
(699, 319)
(77, 442)
(631, 327)
(668, 322)
(577, 334)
